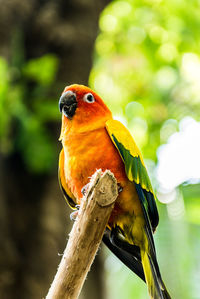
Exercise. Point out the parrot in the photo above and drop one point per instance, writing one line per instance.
(92, 139)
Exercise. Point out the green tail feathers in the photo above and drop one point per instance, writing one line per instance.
(155, 284)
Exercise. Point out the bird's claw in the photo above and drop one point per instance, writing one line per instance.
(84, 189)
(74, 214)
(120, 189)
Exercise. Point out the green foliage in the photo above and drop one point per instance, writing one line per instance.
(192, 203)
(26, 109)
(147, 52)
(4, 83)
(42, 70)
(147, 69)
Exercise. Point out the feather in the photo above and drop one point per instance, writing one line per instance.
(70, 199)
(134, 167)
(130, 259)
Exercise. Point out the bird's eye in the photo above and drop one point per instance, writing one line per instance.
(89, 98)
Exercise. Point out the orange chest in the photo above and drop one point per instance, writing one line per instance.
(85, 153)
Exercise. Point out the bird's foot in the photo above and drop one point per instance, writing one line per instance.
(74, 214)
(84, 189)
(120, 189)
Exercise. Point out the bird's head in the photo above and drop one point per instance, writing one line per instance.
(82, 109)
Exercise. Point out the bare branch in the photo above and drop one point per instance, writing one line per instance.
(85, 236)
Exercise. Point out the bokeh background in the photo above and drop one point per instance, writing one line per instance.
(143, 58)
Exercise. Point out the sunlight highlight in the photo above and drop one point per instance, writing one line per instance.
(179, 159)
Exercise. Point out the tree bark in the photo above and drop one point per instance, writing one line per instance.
(85, 236)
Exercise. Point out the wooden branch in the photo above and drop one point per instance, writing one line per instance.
(85, 236)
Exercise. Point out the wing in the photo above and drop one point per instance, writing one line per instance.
(135, 168)
(70, 199)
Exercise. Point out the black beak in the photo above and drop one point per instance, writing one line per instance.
(68, 103)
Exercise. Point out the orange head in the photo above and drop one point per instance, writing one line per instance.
(82, 109)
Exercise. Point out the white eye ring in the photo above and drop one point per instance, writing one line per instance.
(88, 98)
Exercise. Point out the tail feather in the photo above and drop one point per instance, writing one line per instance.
(130, 259)
(156, 286)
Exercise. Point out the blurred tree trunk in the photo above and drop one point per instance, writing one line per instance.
(33, 215)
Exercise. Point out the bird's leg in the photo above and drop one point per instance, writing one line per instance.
(74, 214)
(117, 239)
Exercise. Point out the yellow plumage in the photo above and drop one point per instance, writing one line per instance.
(92, 139)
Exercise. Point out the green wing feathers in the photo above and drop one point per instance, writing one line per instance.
(134, 167)
(137, 173)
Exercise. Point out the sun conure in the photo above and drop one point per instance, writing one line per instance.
(92, 140)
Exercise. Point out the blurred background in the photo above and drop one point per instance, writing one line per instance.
(143, 58)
